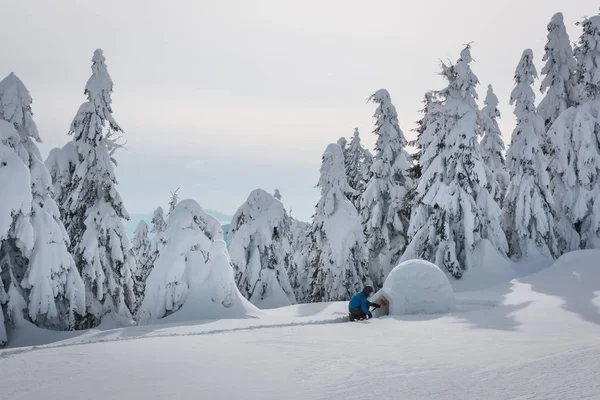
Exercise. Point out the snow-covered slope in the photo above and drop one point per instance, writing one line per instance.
(535, 337)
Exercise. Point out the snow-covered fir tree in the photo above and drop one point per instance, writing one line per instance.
(454, 210)
(559, 76)
(277, 194)
(158, 221)
(183, 251)
(527, 216)
(575, 162)
(298, 272)
(173, 200)
(140, 245)
(355, 162)
(39, 281)
(92, 208)
(336, 251)
(385, 211)
(492, 148)
(260, 250)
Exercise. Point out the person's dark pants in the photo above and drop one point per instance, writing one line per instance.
(356, 314)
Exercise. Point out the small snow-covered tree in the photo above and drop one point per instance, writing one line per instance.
(260, 250)
(575, 162)
(492, 148)
(174, 200)
(559, 75)
(140, 245)
(528, 210)
(34, 255)
(186, 241)
(298, 272)
(385, 211)
(454, 210)
(158, 221)
(93, 208)
(277, 194)
(336, 253)
(355, 162)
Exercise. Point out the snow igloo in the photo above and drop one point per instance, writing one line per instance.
(414, 287)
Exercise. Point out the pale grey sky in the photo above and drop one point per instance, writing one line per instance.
(222, 97)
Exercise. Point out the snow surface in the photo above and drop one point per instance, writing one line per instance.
(416, 287)
(535, 337)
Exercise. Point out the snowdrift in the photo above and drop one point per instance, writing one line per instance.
(415, 287)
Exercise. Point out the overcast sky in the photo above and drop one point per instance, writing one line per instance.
(221, 97)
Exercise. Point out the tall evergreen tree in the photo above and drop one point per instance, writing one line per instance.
(575, 162)
(385, 211)
(93, 209)
(34, 259)
(528, 211)
(559, 76)
(454, 209)
(336, 252)
(158, 221)
(492, 147)
(355, 162)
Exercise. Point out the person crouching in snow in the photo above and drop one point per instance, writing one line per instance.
(359, 304)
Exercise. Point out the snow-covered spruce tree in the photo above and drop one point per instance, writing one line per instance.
(355, 162)
(185, 244)
(93, 209)
(140, 245)
(41, 270)
(158, 221)
(385, 211)
(173, 200)
(575, 162)
(559, 76)
(454, 210)
(38, 278)
(527, 216)
(336, 250)
(427, 127)
(492, 148)
(298, 272)
(260, 251)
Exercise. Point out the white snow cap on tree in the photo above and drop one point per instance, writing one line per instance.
(587, 54)
(454, 210)
(385, 211)
(336, 253)
(528, 210)
(183, 253)
(492, 148)
(92, 207)
(260, 250)
(559, 75)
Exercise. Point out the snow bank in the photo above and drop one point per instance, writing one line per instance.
(488, 268)
(415, 287)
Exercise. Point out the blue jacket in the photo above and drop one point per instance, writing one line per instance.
(360, 302)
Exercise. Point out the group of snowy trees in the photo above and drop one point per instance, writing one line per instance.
(66, 261)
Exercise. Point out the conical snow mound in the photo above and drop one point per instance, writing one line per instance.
(415, 287)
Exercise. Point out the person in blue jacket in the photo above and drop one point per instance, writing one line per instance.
(359, 304)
